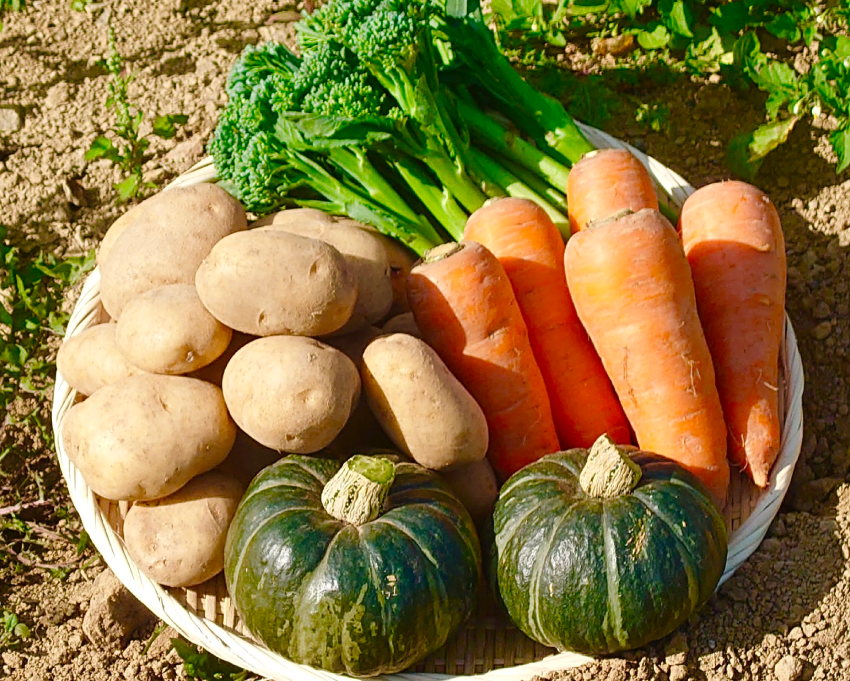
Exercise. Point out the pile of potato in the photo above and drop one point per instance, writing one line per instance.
(225, 347)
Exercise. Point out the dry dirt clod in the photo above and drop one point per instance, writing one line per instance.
(789, 668)
(114, 613)
(11, 119)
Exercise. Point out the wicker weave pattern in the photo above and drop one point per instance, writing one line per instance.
(489, 646)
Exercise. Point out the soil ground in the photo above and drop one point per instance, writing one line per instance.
(782, 616)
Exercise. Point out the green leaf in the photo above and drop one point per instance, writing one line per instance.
(810, 34)
(103, 147)
(731, 17)
(776, 75)
(579, 8)
(205, 666)
(654, 38)
(747, 151)
(166, 126)
(747, 52)
(128, 187)
(826, 90)
(842, 46)
(22, 630)
(632, 7)
(461, 8)
(784, 26)
(677, 16)
(840, 141)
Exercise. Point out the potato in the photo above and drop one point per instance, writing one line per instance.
(421, 406)
(247, 458)
(146, 436)
(401, 260)
(476, 486)
(402, 323)
(91, 360)
(291, 393)
(179, 540)
(293, 215)
(167, 330)
(272, 282)
(116, 230)
(166, 242)
(364, 253)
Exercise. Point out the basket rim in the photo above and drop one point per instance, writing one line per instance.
(245, 652)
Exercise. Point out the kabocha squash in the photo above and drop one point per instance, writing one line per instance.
(363, 567)
(605, 549)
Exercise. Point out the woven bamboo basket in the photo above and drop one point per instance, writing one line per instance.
(488, 646)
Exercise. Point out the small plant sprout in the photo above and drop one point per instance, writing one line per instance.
(126, 147)
(12, 630)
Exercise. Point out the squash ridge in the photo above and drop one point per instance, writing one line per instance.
(688, 558)
(541, 560)
(250, 538)
(612, 573)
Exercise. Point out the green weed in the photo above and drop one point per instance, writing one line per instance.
(126, 147)
(204, 666)
(32, 289)
(12, 631)
(749, 43)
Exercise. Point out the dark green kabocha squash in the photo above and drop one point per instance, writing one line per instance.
(605, 550)
(363, 567)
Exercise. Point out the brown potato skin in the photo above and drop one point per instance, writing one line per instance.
(167, 241)
(421, 406)
(144, 437)
(364, 253)
(117, 229)
(402, 323)
(167, 330)
(179, 540)
(269, 282)
(90, 360)
(291, 393)
(401, 260)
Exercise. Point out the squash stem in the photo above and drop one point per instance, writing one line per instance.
(357, 492)
(609, 471)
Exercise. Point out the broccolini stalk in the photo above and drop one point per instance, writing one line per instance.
(552, 195)
(487, 167)
(361, 208)
(436, 199)
(491, 134)
(472, 43)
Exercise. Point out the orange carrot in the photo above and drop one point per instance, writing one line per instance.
(632, 288)
(605, 182)
(733, 238)
(529, 246)
(466, 310)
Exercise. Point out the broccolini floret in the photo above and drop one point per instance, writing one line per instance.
(392, 39)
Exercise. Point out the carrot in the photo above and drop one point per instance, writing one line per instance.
(632, 288)
(605, 182)
(529, 246)
(466, 310)
(733, 239)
